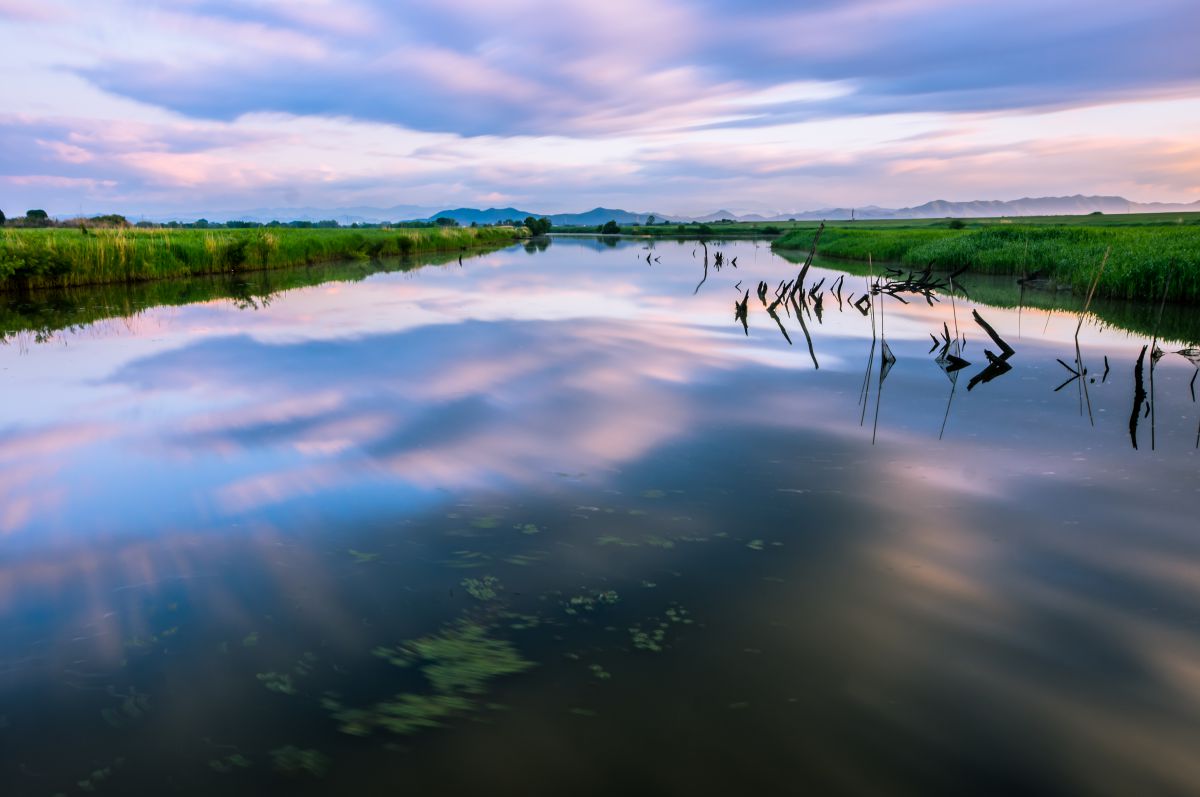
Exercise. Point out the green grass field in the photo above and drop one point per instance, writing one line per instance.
(1145, 249)
(45, 258)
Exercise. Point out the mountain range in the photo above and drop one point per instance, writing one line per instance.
(1028, 206)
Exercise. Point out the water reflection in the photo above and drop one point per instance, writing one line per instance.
(223, 525)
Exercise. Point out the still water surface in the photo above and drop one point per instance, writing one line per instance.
(551, 522)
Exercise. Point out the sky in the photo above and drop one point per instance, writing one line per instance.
(149, 107)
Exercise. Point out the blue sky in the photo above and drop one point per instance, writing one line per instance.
(655, 105)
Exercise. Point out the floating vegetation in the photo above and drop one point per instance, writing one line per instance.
(588, 603)
(229, 764)
(526, 559)
(97, 776)
(756, 545)
(292, 760)
(362, 557)
(486, 522)
(458, 663)
(466, 560)
(280, 682)
(464, 658)
(599, 672)
(651, 637)
(612, 539)
(250, 640)
(653, 494)
(482, 589)
(659, 542)
(651, 640)
(521, 622)
(132, 708)
(582, 712)
(528, 528)
(408, 713)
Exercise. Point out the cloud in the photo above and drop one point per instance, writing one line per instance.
(658, 105)
(573, 67)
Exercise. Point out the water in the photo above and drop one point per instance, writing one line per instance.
(550, 522)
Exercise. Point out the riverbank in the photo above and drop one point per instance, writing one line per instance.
(1141, 257)
(62, 258)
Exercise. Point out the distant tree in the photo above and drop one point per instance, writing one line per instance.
(442, 221)
(37, 218)
(1096, 213)
(956, 224)
(110, 220)
(650, 220)
(201, 223)
(538, 226)
(474, 225)
(611, 228)
(2, 219)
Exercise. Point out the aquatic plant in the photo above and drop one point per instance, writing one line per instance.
(229, 763)
(458, 664)
(98, 776)
(587, 603)
(482, 589)
(278, 682)
(651, 637)
(132, 707)
(362, 557)
(292, 760)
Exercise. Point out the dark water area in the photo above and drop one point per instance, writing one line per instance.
(553, 522)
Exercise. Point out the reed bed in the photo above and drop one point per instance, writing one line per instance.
(59, 258)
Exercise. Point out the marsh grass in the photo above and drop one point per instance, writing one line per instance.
(1141, 256)
(43, 258)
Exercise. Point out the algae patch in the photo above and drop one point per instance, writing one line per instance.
(292, 760)
(458, 663)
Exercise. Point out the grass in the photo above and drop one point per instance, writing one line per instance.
(1068, 253)
(60, 258)
(1179, 322)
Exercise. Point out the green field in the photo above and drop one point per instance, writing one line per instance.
(62, 257)
(1068, 250)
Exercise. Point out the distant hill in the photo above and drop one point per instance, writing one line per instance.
(1029, 206)
(591, 218)
(1077, 205)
